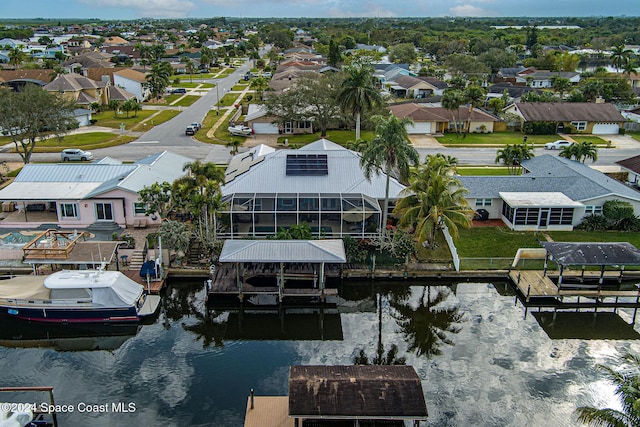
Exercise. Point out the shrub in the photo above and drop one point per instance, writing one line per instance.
(615, 210)
(355, 252)
(628, 224)
(540, 128)
(593, 223)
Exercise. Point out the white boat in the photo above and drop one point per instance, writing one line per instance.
(76, 296)
(240, 130)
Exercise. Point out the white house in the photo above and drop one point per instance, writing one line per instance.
(132, 81)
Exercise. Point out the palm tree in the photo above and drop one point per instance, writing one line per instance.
(452, 99)
(512, 156)
(627, 384)
(234, 144)
(16, 56)
(630, 67)
(619, 56)
(391, 151)
(560, 85)
(474, 96)
(580, 151)
(259, 84)
(358, 92)
(433, 198)
(158, 78)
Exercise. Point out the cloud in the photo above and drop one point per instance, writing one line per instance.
(468, 10)
(149, 8)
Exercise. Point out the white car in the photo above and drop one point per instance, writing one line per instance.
(75, 154)
(557, 145)
(240, 130)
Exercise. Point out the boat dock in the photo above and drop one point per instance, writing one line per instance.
(153, 286)
(535, 285)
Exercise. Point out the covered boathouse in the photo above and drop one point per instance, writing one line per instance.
(345, 396)
(277, 267)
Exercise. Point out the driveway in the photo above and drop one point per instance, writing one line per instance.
(424, 141)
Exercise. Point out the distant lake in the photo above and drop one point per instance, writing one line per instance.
(483, 363)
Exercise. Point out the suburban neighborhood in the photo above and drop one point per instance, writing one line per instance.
(373, 210)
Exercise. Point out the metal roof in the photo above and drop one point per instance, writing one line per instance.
(328, 251)
(553, 200)
(360, 391)
(344, 175)
(596, 253)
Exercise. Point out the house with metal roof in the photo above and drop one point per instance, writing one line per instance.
(321, 184)
(79, 195)
(553, 193)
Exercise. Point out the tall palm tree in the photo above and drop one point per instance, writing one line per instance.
(358, 92)
(259, 84)
(433, 198)
(627, 384)
(390, 151)
(619, 56)
(452, 99)
(474, 96)
(16, 56)
(630, 67)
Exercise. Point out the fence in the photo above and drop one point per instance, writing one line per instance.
(452, 247)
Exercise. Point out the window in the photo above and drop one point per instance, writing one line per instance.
(104, 212)
(139, 208)
(483, 202)
(593, 210)
(69, 210)
(580, 126)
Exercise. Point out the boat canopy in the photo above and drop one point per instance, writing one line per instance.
(108, 288)
(24, 287)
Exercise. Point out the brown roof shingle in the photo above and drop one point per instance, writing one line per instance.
(568, 111)
(359, 391)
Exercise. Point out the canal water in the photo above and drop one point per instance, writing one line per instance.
(483, 360)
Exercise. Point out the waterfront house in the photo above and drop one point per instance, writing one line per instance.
(79, 195)
(553, 193)
(321, 184)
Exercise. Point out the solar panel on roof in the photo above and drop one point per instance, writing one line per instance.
(307, 165)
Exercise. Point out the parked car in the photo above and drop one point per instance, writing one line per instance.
(240, 130)
(266, 74)
(190, 130)
(70, 154)
(196, 125)
(557, 145)
(179, 90)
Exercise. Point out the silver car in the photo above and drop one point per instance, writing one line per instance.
(75, 154)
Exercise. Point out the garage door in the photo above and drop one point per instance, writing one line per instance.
(265, 129)
(419, 128)
(605, 129)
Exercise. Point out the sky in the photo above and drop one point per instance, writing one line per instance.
(133, 9)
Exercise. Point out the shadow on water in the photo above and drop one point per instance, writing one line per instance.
(21, 334)
(564, 325)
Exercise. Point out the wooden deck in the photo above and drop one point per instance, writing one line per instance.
(268, 411)
(533, 284)
(154, 286)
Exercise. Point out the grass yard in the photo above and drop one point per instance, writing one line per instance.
(588, 138)
(595, 236)
(239, 87)
(634, 135)
(496, 139)
(341, 137)
(185, 101)
(482, 171)
(107, 119)
(485, 242)
(86, 141)
(227, 99)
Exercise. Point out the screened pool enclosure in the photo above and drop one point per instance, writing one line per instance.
(328, 215)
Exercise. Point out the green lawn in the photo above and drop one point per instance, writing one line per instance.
(86, 141)
(482, 170)
(228, 99)
(239, 87)
(595, 236)
(588, 138)
(341, 137)
(634, 135)
(485, 242)
(107, 119)
(186, 101)
(495, 139)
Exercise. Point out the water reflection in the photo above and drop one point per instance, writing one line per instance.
(21, 334)
(428, 322)
(585, 326)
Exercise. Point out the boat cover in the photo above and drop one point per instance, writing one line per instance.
(24, 287)
(108, 288)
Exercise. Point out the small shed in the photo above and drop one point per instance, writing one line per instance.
(320, 394)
